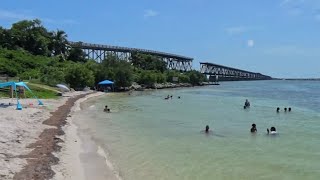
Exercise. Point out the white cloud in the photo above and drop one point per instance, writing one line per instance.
(13, 15)
(240, 29)
(236, 30)
(4, 14)
(150, 13)
(250, 43)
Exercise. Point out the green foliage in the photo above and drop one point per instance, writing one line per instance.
(78, 76)
(52, 76)
(77, 55)
(148, 62)
(30, 52)
(195, 77)
(117, 70)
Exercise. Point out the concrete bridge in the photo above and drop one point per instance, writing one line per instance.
(225, 73)
(98, 53)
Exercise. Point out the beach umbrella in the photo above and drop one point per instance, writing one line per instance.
(63, 88)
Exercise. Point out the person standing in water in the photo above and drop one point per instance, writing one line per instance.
(207, 130)
(285, 109)
(247, 103)
(278, 109)
(289, 109)
(253, 128)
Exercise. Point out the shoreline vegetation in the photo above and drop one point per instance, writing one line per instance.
(30, 52)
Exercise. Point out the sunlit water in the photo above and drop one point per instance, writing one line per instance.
(147, 137)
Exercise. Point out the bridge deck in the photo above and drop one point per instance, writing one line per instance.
(226, 67)
(127, 49)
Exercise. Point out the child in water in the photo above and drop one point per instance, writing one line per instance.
(253, 128)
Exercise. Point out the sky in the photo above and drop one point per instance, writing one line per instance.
(280, 38)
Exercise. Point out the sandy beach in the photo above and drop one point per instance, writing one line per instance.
(80, 157)
(28, 137)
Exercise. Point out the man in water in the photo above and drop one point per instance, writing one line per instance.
(278, 109)
(285, 109)
(253, 128)
(289, 109)
(247, 103)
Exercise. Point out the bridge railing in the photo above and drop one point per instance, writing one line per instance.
(115, 48)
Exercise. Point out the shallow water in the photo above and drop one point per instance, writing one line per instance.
(147, 137)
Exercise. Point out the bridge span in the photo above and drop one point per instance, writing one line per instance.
(225, 73)
(98, 53)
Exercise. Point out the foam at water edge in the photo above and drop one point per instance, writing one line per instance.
(102, 153)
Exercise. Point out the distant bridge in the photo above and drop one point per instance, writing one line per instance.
(98, 53)
(228, 73)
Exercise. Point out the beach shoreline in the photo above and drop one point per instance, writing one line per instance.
(80, 156)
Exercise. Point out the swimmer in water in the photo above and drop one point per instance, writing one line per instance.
(272, 130)
(253, 128)
(289, 109)
(108, 110)
(207, 130)
(285, 109)
(105, 108)
(178, 97)
(278, 109)
(247, 103)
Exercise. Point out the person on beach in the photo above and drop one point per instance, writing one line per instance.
(278, 109)
(253, 128)
(247, 103)
(285, 109)
(289, 109)
(272, 131)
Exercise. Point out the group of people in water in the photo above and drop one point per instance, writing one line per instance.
(271, 131)
(170, 97)
(285, 109)
(106, 109)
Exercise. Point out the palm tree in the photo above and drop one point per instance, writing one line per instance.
(60, 43)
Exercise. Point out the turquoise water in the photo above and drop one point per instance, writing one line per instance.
(147, 137)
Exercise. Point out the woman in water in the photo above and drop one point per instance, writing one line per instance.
(272, 131)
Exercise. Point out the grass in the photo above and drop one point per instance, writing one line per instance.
(41, 91)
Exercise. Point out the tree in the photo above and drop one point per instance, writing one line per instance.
(77, 55)
(148, 62)
(78, 76)
(59, 43)
(195, 77)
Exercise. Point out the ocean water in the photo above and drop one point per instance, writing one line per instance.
(147, 137)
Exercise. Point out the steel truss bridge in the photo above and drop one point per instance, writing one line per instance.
(228, 73)
(99, 52)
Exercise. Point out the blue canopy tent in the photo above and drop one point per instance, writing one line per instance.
(14, 87)
(106, 83)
